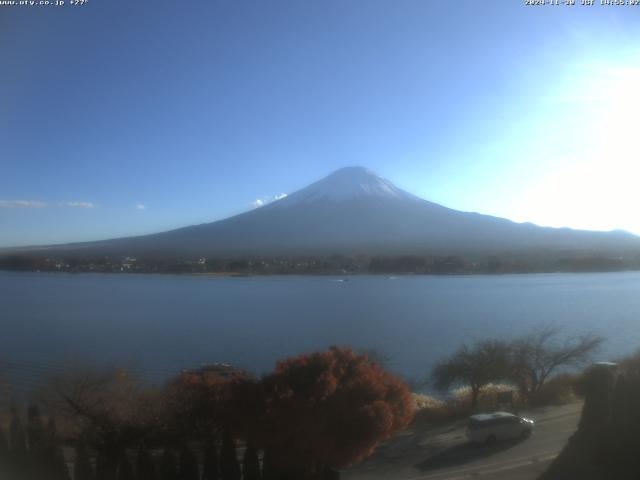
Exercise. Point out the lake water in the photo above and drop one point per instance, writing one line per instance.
(162, 323)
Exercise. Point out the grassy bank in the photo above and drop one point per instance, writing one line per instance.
(560, 390)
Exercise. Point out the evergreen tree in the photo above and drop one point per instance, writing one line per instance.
(188, 464)
(35, 431)
(145, 468)
(250, 464)
(104, 469)
(54, 460)
(17, 444)
(331, 474)
(4, 454)
(82, 468)
(62, 469)
(125, 471)
(268, 470)
(168, 468)
(210, 469)
(36, 442)
(229, 467)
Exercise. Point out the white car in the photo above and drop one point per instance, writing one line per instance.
(489, 428)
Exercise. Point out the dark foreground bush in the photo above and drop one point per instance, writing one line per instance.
(605, 447)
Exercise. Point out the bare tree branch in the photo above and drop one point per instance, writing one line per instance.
(485, 362)
(536, 356)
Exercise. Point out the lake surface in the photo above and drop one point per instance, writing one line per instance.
(162, 323)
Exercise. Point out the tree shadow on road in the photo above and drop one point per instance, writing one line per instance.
(463, 453)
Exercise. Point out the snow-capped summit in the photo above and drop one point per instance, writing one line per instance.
(346, 184)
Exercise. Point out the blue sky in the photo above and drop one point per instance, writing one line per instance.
(122, 117)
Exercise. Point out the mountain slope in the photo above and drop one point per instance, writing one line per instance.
(354, 211)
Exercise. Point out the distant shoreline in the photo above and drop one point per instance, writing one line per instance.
(345, 276)
(337, 264)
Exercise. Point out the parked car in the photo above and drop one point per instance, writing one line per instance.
(489, 428)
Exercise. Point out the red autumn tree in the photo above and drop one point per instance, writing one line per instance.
(328, 410)
(198, 401)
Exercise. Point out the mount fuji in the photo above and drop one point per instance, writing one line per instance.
(353, 211)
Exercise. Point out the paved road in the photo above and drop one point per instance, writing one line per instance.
(444, 453)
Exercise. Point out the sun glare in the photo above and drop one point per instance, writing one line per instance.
(596, 185)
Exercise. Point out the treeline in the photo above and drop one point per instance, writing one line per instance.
(335, 264)
(311, 416)
(437, 265)
(332, 265)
